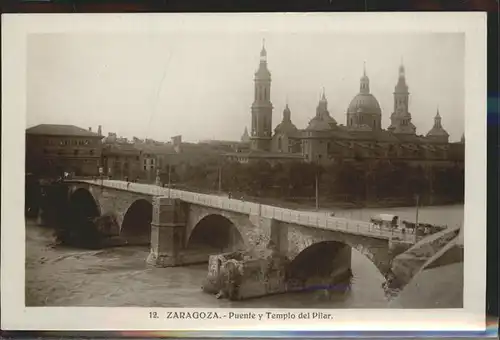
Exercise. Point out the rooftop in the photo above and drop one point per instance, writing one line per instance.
(266, 155)
(60, 130)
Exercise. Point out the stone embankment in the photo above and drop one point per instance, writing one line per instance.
(435, 250)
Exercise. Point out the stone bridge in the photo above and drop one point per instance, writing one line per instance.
(184, 227)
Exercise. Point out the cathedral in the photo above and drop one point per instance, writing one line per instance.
(362, 137)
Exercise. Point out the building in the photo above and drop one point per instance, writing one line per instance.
(54, 149)
(121, 160)
(362, 136)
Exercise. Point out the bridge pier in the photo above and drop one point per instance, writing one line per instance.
(167, 232)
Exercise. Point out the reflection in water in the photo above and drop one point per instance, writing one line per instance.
(61, 276)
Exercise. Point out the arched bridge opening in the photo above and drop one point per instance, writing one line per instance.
(214, 234)
(324, 266)
(136, 226)
(80, 228)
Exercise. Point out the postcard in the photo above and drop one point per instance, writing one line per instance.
(244, 172)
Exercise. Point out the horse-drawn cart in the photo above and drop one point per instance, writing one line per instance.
(385, 221)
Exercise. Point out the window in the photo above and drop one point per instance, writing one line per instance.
(75, 152)
(91, 152)
(145, 167)
(87, 142)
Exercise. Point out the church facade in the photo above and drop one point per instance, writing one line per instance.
(362, 137)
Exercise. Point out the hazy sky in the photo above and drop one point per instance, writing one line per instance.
(200, 85)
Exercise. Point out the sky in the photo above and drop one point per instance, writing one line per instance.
(200, 85)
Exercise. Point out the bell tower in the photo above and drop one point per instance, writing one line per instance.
(401, 117)
(262, 108)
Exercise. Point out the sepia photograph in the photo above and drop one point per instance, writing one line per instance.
(252, 169)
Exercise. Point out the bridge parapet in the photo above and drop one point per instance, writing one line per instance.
(305, 218)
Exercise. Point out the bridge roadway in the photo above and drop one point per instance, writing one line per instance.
(306, 218)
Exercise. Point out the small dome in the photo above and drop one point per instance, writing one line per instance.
(329, 119)
(364, 103)
(318, 124)
(286, 127)
(437, 132)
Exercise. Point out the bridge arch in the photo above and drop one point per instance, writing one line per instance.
(80, 228)
(215, 232)
(321, 264)
(333, 252)
(136, 225)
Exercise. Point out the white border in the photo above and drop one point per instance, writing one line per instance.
(15, 29)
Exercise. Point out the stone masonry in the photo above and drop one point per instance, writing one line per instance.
(173, 221)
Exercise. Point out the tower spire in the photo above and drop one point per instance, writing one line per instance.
(402, 68)
(262, 108)
(364, 84)
(263, 52)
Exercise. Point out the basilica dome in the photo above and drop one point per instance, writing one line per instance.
(364, 103)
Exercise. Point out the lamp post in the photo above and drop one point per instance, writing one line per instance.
(417, 199)
(220, 178)
(158, 181)
(101, 171)
(169, 181)
(316, 184)
(317, 191)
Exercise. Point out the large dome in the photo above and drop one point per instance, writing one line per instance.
(364, 103)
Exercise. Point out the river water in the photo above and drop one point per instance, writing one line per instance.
(118, 277)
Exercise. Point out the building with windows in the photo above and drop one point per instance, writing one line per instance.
(121, 161)
(52, 150)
